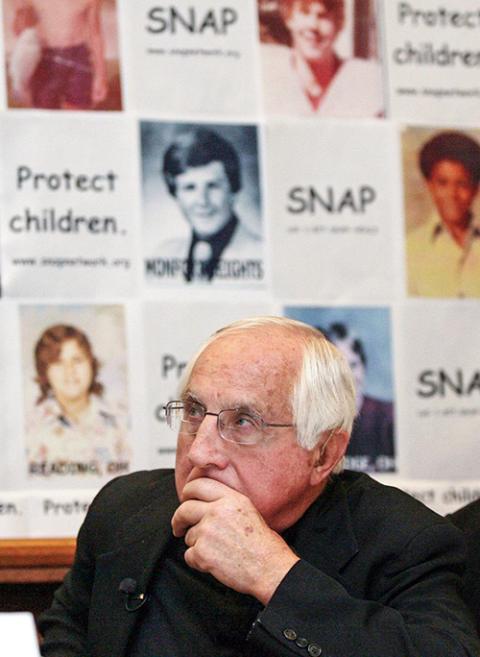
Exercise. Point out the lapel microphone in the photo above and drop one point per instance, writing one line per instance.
(133, 601)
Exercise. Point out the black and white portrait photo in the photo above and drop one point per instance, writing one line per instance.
(201, 204)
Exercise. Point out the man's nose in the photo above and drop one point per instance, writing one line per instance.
(207, 447)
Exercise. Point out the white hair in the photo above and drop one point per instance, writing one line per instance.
(323, 396)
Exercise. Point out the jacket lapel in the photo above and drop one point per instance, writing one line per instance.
(143, 538)
(325, 536)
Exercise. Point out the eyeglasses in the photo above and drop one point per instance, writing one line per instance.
(233, 424)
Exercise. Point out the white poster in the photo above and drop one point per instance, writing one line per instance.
(75, 394)
(69, 220)
(433, 60)
(174, 333)
(332, 209)
(202, 206)
(439, 363)
(320, 59)
(192, 58)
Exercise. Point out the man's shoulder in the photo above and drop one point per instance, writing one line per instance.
(468, 517)
(130, 492)
(386, 510)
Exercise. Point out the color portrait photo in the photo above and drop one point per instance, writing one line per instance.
(320, 58)
(62, 54)
(201, 204)
(441, 181)
(75, 391)
(363, 336)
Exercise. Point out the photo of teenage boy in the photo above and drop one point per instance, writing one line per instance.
(60, 56)
(72, 428)
(303, 73)
(443, 252)
(204, 221)
(371, 446)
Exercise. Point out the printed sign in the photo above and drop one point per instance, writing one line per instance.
(69, 217)
(433, 59)
(192, 58)
(439, 363)
(331, 210)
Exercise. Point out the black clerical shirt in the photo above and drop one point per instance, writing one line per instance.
(191, 614)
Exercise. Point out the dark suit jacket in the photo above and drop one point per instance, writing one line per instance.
(468, 519)
(378, 576)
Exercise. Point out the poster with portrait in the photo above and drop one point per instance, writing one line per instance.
(332, 210)
(363, 335)
(169, 346)
(62, 55)
(441, 172)
(438, 362)
(202, 206)
(192, 58)
(432, 60)
(75, 395)
(320, 59)
(69, 219)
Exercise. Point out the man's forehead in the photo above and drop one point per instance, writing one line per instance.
(254, 358)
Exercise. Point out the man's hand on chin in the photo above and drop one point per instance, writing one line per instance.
(228, 538)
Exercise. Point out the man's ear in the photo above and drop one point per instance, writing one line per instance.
(329, 451)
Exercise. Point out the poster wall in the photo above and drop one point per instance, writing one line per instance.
(213, 161)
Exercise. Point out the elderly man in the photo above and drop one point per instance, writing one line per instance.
(259, 545)
(444, 253)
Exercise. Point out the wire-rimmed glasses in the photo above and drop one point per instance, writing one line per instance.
(236, 425)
